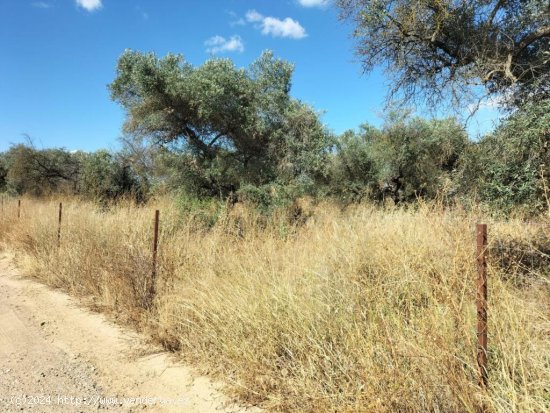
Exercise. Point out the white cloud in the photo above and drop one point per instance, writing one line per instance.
(236, 20)
(253, 16)
(89, 5)
(488, 103)
(41, 5)
(219, 44)
(276, 27)
(313, 3)
(283, 28)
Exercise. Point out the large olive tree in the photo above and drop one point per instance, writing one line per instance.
(232, 126)
(439, 48)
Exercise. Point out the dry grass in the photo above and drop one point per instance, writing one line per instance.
(365, 310)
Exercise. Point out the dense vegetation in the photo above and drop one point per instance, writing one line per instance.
(217, 132)
(221, 132)
(355, 310)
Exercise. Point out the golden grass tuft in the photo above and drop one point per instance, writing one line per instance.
(362, 310)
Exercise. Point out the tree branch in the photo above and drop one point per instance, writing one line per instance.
(497, 7)
(541, 32)
(218, 136)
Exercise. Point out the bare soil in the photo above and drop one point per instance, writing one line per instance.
(56, 356)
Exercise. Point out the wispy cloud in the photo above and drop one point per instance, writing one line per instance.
(488, 103)
(314, 3)
(144, 15)
(219, 44)
(41, 5)
(236, 20)
(253, 16)
(90, 5)
(275, 27)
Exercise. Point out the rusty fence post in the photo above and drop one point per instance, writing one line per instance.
(152, 288)
(18, 208)
(59, 225)
(481, 302)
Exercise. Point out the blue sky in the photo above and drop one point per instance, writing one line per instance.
(59, 55)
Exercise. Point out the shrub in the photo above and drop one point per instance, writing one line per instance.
(105, 178)
(510, 168)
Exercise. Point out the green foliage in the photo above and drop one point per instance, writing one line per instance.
(437, 50)
(3, 172)
(105, 178)
(217, 134)
(510, 168)
(182, 173)
(270, 197)
(230, 126)
(354, 172)
(406, 159)
(417, 157)
(40, 172)
(204, 212)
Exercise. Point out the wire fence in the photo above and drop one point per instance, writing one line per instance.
(519, 260)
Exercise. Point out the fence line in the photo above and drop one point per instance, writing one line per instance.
(481, 299)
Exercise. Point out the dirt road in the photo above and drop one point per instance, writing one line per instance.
(58, 357)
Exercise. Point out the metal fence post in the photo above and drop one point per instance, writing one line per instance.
(481, 302)
(59, 225)
(152, 288)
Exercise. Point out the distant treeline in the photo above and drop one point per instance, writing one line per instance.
(406, 159)
(222, 132)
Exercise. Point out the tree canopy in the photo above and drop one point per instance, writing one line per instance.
(407, 158)
(40, 172)
(233, 125)
(509, 168)
(440, 48)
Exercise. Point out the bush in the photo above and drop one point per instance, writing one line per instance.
(40, 172)
(354, 173)
(106, 178)
(204, 212)
(408, 158)
(510, 168)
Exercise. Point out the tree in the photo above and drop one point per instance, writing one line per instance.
(230, 125)
(39, 172)
(407, 158)
(417, 157)
(354, 173)
(509, 169)
(105, 177)
(433, 47)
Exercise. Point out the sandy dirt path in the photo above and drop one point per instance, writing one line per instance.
(58, 357)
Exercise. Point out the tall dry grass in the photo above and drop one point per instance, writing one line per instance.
(362, 310)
